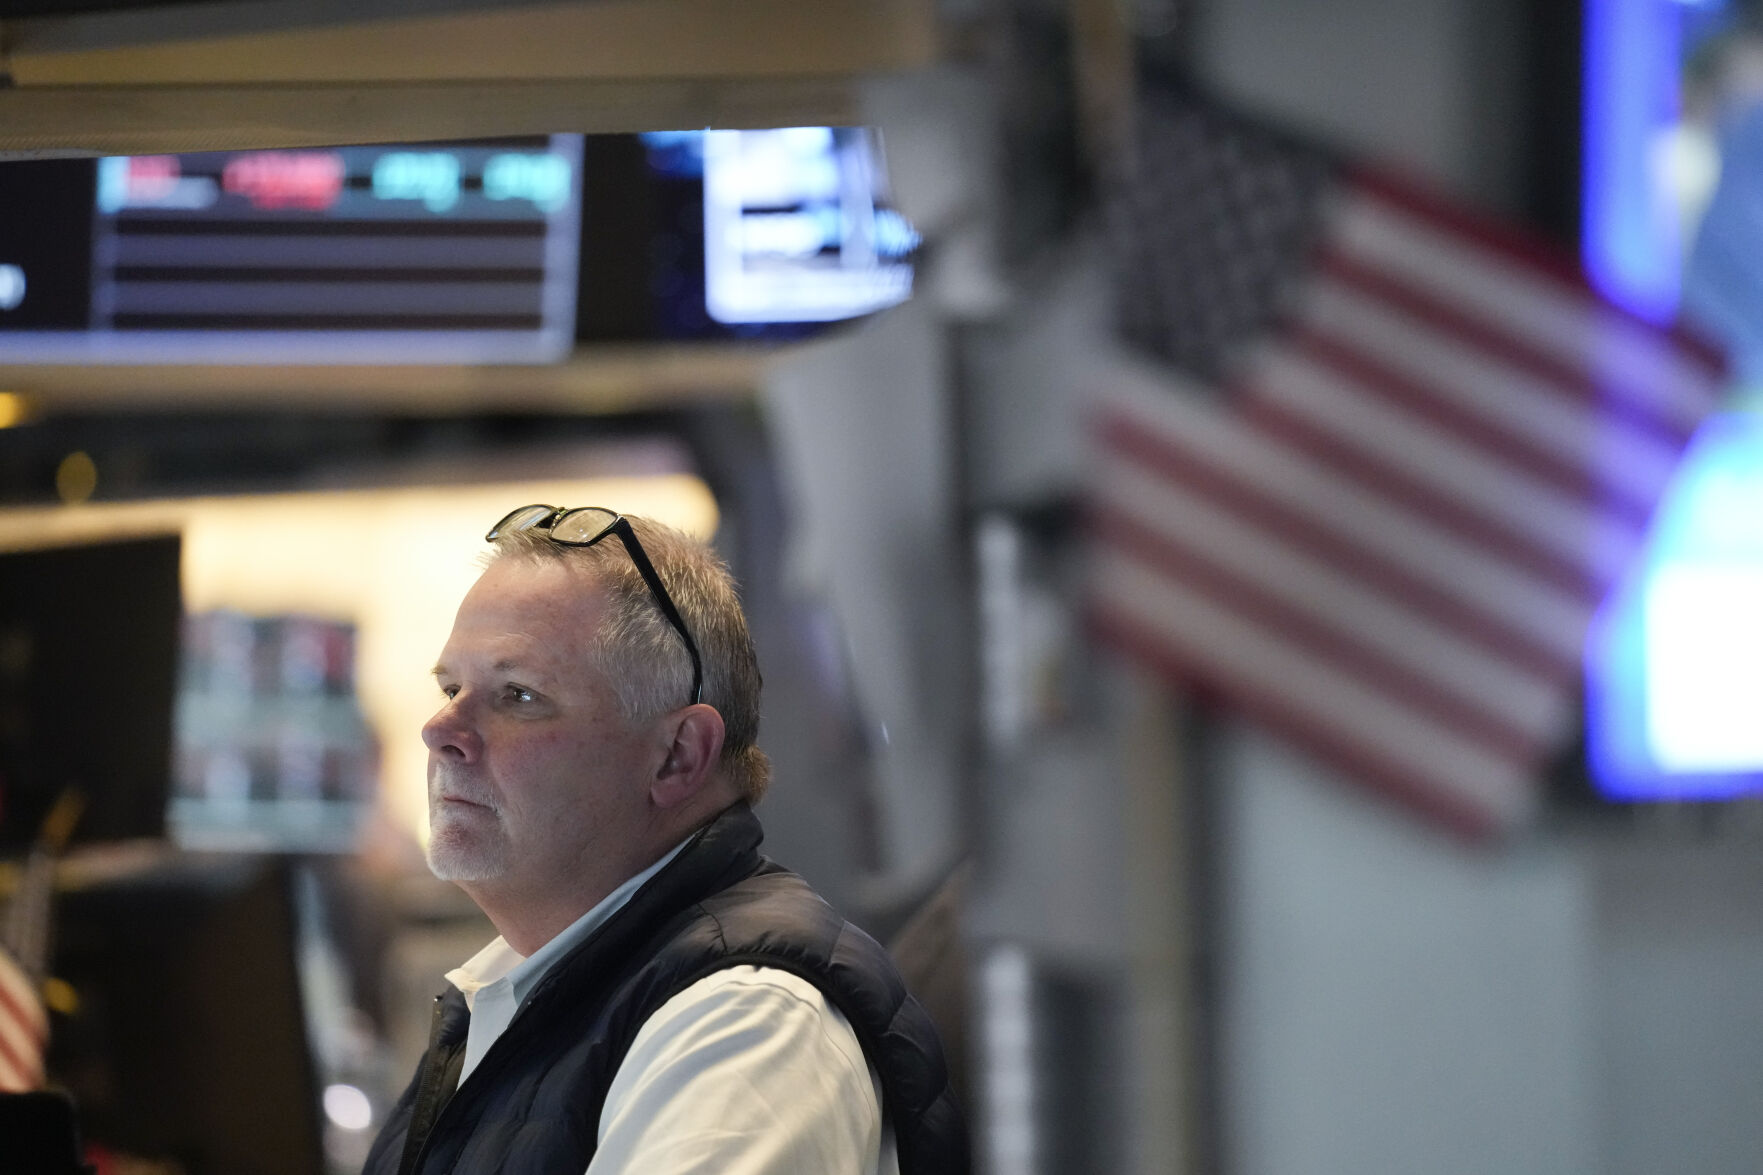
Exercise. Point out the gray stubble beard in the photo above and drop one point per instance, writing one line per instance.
(458, 853)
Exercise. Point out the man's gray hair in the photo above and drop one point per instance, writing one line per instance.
(642, 655)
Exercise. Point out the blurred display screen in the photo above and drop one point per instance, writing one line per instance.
(797, 227)
(88, 655)
(1673, 227)
(271, 749)
(459, 253)
(1675, 662)
(436, 253)
(1672, 192)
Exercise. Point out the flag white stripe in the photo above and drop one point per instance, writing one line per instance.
(1495, 490)
(24, 1027)
(1502, 394)
(15, 1080)
(1553, 620)
(24, 1024)
(1519, 701)
(1506, 294)
(18, 1039)
(16, 991)
(24, 1036)
(1247, 657)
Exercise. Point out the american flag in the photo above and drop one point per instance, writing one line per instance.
(1391, 462)
(24, 1028)
(24, 1022)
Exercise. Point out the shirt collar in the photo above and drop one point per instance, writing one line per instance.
(498, 961)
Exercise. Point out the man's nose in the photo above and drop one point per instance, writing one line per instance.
(450, 733)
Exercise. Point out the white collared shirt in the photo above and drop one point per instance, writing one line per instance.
(749, 1071)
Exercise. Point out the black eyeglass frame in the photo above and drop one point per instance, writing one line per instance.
(620, 526)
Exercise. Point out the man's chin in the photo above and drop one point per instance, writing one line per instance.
(453, 859)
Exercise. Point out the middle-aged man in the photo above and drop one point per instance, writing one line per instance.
(661, 998)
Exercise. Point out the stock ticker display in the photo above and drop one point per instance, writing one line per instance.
(490, 252)
(458, 252)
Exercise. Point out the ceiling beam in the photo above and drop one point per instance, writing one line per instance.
(227, 75)
(594, 380)
(632, 40)
(149, 120)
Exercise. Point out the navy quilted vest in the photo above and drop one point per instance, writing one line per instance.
(533, 1103)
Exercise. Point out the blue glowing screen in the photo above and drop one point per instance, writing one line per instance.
(1675, 661)
(1673, 229)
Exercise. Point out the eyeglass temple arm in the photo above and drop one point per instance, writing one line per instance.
(646, 569)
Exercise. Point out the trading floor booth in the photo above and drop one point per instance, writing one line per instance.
(294, 301)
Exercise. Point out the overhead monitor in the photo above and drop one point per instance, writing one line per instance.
(798, 226)
(511, 251)
(1675, 662)
(1672, 195)
(427, 253)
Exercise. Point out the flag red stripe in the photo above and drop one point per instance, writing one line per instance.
(1188, 467)
(1603, 392)
(1448, 512)
(1543, 260)
(1537, 255)
(28, 1065)
(1313, 635)
(1147, 644)
(27, 1018)
(1574, 480)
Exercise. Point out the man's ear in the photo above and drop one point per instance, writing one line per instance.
(694, 750)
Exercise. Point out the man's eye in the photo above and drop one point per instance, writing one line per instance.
(516, 693)
(450, 691)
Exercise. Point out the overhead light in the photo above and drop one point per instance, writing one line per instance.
(14, 409)
(76, 478)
